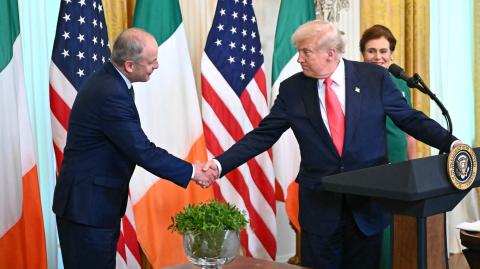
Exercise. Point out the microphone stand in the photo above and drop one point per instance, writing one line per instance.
(417, 83)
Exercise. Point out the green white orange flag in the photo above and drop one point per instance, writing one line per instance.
(22, 237)
(286, 153)
(170, 115)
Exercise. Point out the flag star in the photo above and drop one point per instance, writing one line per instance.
(81, 20)
(94, 22)
(253, 19)
(101, 42)
(252, 64)
(233, 30)
(252, 49)
(81, 2)
(218, 42)
(231, 59)
(100, 9)
(80, 73)
(65, 53)
(81, 38)
(244, 17)
(66, 35)
(68, 1)
(253, 34)
(236, 1)
(222, 12)
(244, 47)
(220, 27)
(101, 25)
(235, 15)
(242, 61)
(94, 57)
(232, 45)
(244, 32)
(242, 76)
(94, 40)
(66, 17)
(80, 55)
(94, 5)
(261, 51)
(103, 59)
(244, 2)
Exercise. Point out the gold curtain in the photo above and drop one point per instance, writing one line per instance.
(476, 69)
(118, 16)
(409, 22)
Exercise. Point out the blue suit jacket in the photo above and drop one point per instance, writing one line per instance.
(370, 96)
(104, 143)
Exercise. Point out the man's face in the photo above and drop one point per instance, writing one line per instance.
(143, 68)
(316, 62)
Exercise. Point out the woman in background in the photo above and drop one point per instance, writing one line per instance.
(377, 46)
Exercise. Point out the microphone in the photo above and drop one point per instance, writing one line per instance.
(412, 82)
(416, 82)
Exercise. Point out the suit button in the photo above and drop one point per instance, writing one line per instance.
(342, 168)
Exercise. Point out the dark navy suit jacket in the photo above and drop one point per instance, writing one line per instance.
(370, 96)
(104, 143)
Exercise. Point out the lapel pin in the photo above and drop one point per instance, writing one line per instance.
(357, 89)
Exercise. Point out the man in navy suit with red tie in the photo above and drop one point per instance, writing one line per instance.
(336, 108)
(104, 144)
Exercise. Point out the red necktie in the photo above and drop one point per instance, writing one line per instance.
(336, 119)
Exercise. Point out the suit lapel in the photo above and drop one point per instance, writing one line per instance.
(353, 103)
(312, 105)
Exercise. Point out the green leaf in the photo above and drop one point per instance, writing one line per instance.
(211, 216)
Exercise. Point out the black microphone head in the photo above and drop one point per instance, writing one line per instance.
(397, 71)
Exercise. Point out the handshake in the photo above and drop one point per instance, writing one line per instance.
(205, 174)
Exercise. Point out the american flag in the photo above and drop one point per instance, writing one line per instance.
(80, 48)
(234, 100)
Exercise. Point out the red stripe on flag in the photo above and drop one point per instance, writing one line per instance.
(131, 238)
(261, 82)
(236, 179)
(250, 109)
(58, 156)
(59, 108)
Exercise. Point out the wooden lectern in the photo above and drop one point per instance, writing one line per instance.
(418, 193)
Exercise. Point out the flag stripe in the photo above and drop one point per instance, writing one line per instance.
(262, 83)
(60, 110)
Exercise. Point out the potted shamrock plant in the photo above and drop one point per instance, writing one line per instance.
(211, 232)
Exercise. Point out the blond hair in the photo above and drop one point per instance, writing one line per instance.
(325, 34)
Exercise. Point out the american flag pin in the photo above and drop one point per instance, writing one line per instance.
(357, 89)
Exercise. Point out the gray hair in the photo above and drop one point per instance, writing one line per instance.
(128, 46)
(325, 34)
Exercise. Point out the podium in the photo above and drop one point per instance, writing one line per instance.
(414, 191)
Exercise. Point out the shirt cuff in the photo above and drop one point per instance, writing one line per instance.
(193, 171)
(219, 166)
(458, 141)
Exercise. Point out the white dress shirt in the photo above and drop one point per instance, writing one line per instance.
(338, 86)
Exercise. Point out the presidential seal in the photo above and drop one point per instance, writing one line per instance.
(462, 167)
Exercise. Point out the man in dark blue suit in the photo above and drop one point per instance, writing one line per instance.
(338, 231)
(104, 144)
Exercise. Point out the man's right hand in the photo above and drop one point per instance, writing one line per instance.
(211, 165)
(204, 178)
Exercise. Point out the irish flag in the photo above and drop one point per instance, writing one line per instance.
(22, 238)
(170, 115)
(286, 153)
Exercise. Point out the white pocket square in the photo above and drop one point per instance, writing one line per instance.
(357, 89)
